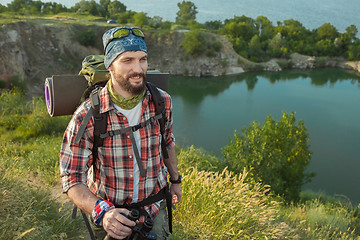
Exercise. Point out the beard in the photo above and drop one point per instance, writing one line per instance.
(125, 84)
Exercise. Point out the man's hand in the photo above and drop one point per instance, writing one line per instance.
(176, 192)
(116, 224)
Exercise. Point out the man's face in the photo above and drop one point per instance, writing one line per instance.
(128, 73)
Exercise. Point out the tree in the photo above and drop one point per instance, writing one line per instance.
(276, 153)
(265, 28)
(156, 22)
(140, 19)
(213, 25)
(276, 46)
(2, 8)
(104, 7)
(243, 27)
(187, 12)
(90, 7)
(353, 54)
(327, 31)
(115, 8)
(254, 49)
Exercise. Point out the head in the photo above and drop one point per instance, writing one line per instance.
(126, 59)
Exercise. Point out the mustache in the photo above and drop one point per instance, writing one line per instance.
(141, 74)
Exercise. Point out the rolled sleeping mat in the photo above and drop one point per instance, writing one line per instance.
(63, 92)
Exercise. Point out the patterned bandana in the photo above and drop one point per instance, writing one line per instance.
(117, 46)
(124, 103)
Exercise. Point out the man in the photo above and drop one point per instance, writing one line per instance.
(129, 167)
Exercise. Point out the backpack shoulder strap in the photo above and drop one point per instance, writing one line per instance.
(100, 122)
(159, 109)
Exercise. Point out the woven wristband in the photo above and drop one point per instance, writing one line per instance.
(101, 207)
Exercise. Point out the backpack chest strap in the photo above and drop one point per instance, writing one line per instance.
(132, 128)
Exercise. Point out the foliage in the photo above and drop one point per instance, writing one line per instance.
(187, 12)
(196, 43)
(87, 37)
(140, 19)
(252, 38)
(193, 43)
(115, 8)
(199, 159)
(29, 7)
(26, 119)
(276, 154)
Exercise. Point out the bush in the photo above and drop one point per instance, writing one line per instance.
(194, 43)
(87, 38)
(276, 154)
(12, 102)
(27, 118)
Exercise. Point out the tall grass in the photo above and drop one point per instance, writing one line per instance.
(222, 205)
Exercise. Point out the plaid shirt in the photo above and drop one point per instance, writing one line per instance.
(114, 174)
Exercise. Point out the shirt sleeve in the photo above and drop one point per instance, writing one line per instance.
(75, 159)
(169, 136)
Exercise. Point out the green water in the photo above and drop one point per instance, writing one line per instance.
(208, 110)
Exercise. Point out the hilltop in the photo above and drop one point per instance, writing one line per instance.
(39, 48)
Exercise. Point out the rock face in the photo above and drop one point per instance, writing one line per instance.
(301, 61)
(167, 55)
(353, 65)
(33, 52)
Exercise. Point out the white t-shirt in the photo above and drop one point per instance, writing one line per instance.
(133, 117)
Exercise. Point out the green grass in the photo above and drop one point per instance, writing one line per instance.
(61, 18)
(216, 203)
(28, 211)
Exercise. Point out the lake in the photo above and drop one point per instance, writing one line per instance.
(208, 110)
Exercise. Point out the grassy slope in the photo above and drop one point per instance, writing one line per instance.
(216, 205)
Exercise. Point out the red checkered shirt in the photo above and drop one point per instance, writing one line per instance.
(114, 175)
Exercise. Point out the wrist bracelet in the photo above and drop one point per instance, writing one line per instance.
(101, 207)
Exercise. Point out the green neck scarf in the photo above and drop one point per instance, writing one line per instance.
(124, 103)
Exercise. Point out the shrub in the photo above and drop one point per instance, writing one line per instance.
(27, 118)
(87, 37)
(276, 154)
(199, 158)
(12, 102)
(194, 43)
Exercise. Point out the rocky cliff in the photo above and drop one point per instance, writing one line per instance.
(33, 52)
